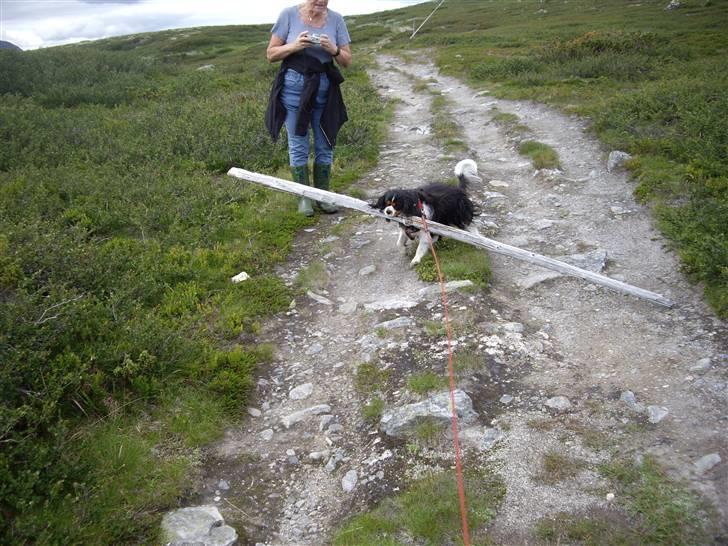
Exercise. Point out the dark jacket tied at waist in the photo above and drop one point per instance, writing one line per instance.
(334, 114)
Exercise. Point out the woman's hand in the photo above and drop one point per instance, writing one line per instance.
(327, 45)
(303, 41)
(278, 49)
(344, 56)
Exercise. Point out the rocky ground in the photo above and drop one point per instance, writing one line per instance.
(554, 365)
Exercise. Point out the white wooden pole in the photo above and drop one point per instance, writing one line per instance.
(447, 231)
(427, 19)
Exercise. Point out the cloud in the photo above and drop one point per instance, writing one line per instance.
(40, 23)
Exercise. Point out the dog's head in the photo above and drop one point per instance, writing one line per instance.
(397, 203)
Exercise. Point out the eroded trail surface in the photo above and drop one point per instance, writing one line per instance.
(550, 359)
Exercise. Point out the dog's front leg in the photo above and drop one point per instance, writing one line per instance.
(422, 248)
(402, 238)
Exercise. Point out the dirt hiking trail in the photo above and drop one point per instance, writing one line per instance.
(558, 362)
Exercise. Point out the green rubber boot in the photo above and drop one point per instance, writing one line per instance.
(321, 179)
(300, 175)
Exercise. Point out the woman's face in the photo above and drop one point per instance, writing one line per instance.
(317, 6)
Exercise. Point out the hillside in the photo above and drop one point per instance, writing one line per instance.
(8, 45)
(128, 352)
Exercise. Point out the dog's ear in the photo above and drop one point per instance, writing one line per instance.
(424, 196)
(379, 204)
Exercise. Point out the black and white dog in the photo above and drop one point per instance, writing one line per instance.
(442, 203)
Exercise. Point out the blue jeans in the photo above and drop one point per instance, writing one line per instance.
(300, 146)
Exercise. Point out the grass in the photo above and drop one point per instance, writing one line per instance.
(468, 361)
(590, 436)
(370, 378)
(313, 277)
(446, 130)
(424, 382)
(590, 530)
(372, 411)
(434, 328)
(427, 513)
(120, 232)
(122, 457)
(428, 430)
(665, 511)
(541, 155)
(557, 467)
(459, 261)
(506, 118)
(652, 509)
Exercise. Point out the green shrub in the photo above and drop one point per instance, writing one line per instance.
(120, 234)
(600, 44)
(505, 68)
(68, 77)
(230, 375)
(671, 125)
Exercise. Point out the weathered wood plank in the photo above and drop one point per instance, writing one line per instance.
(454, 233)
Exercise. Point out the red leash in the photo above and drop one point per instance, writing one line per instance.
(458, 466)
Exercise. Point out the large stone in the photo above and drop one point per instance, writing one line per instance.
(301, 392)
(706, 462)
(200, 525)
(400, 422)
(289, 420)
(559, 403)
(630, 399)
(702, 365)
(655, 414)
(616, 160)
(481, 439)
(399, 322)
(449, 287)
(595, 261)
(389, 304)
(348, 308)
(348, 483)
(319, 298)
(314, 349)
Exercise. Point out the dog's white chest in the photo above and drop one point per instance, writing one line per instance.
(427, 211)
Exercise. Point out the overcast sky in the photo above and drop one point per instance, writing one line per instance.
(31, 24)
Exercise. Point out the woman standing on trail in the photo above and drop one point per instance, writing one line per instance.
(308, 38)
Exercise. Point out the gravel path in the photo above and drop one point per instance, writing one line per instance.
(291, 478)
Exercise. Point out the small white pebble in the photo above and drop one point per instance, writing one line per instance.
(610, 496)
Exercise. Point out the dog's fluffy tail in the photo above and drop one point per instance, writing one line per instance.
(467, 172)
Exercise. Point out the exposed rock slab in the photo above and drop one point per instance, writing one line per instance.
(399, 422)
(199, 525)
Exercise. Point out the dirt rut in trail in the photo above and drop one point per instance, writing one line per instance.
(283, 480)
